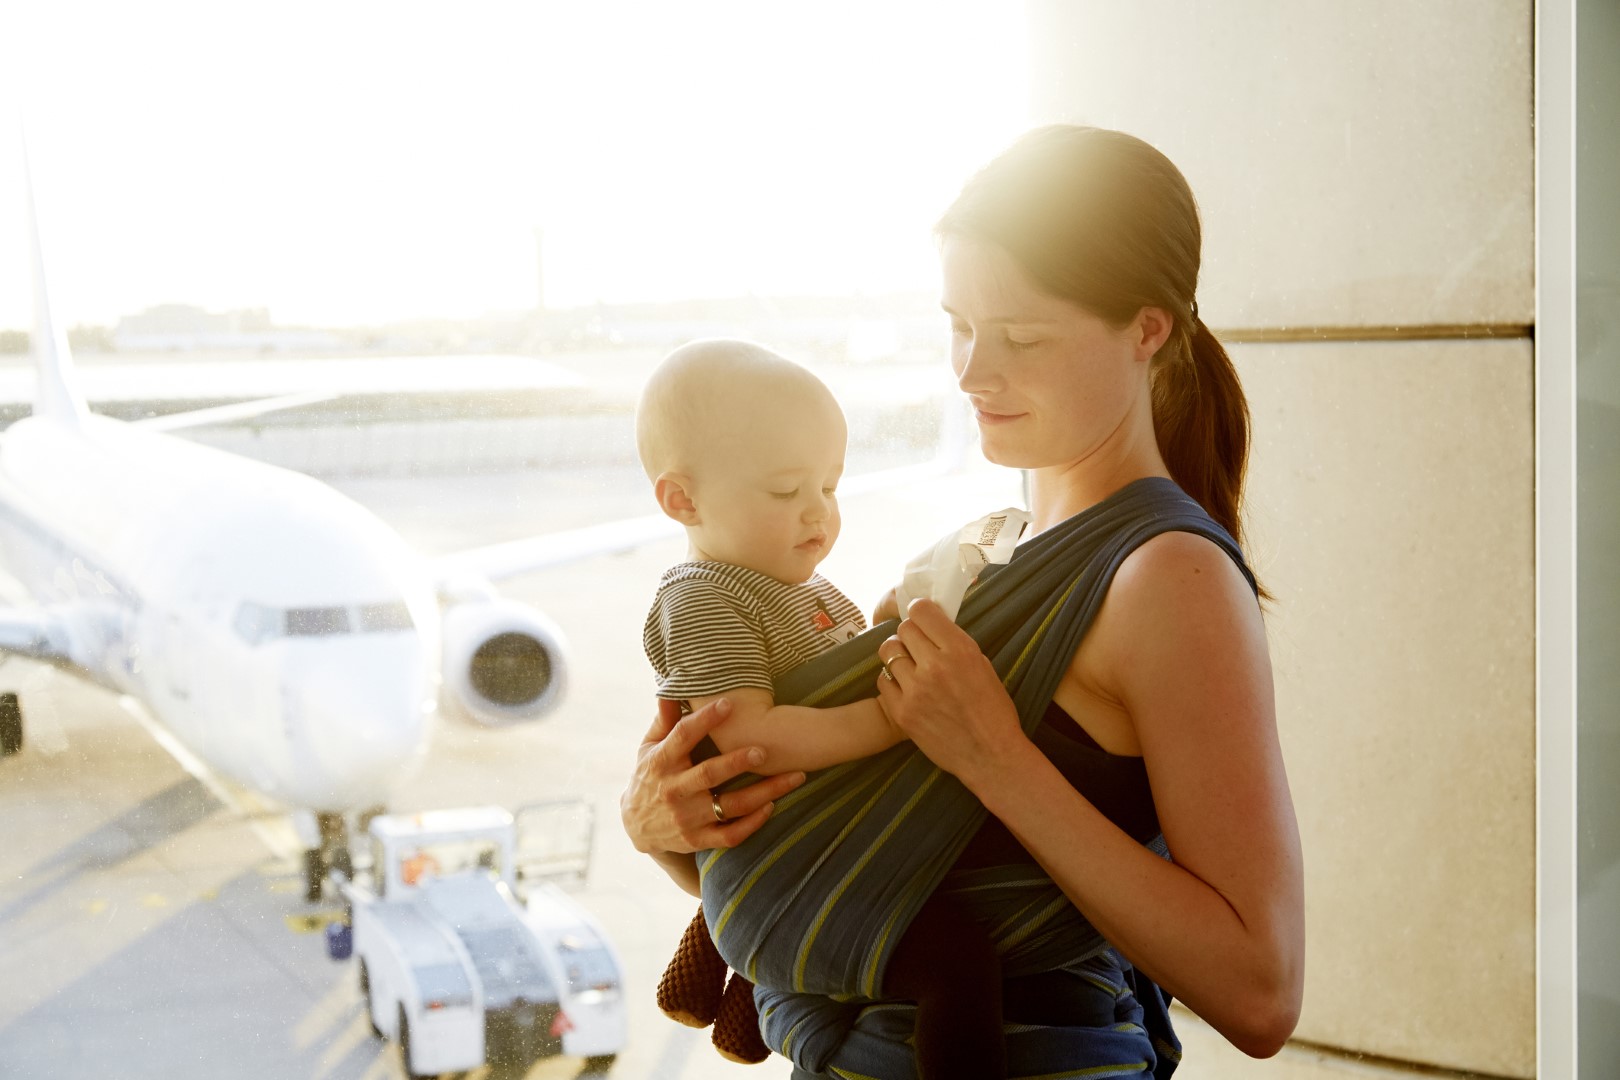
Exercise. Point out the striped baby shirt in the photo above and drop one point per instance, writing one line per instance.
(715, 627)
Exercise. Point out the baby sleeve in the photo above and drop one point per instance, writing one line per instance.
(704, 639)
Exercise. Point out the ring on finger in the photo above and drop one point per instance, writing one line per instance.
(719, 814)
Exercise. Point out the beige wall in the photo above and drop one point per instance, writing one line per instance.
(1369, 166)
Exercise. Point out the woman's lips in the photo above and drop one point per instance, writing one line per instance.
(985, 416)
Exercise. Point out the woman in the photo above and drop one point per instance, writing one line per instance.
(1070, 273)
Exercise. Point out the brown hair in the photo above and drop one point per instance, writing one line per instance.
(1105, 221)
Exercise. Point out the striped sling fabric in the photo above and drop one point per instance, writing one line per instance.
(811, 907)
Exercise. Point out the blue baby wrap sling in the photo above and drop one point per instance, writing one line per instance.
(812, 906)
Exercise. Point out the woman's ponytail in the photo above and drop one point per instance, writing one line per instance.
(1201, 419)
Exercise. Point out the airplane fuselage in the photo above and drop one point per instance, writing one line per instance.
(280, 631)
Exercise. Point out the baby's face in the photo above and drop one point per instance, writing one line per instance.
(773, 506)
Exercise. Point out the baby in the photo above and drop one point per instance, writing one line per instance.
(745, 449)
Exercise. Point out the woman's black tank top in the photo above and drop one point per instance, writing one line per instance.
(1115, 784)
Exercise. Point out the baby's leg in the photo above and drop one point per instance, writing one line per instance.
(945, 962)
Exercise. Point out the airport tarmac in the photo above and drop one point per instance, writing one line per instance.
(151, 926)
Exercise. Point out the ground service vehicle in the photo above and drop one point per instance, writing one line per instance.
(469, 951)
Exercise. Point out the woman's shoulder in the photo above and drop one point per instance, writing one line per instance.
(1178, 551)
(1173, 589)
(1180, 570)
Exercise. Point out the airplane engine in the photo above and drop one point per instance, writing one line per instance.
(504, 662)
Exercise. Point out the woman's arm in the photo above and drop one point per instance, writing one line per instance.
(799, 738)
(1180, 647)
(667, 809)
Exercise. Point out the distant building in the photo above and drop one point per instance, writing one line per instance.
(184, 328)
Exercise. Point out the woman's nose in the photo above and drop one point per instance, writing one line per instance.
(970, 360)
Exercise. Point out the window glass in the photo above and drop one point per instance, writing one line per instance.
(432, 287)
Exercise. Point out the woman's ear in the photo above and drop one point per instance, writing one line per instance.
(1151, 330)
(674, 494)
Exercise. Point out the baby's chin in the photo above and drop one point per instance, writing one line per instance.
(793, 575)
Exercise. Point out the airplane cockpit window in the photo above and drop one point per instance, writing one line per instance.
(393, 616)
(317, 621)
(255, 623)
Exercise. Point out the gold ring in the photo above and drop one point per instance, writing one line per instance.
(719, 814)
(884, 664)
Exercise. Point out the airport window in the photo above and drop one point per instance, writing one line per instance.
(317, 621)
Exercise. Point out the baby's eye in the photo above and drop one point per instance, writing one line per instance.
(829, 491)
(785, 494)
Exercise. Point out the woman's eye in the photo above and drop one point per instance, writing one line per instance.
(960, 330)
(1021, 343)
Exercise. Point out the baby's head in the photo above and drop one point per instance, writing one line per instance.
(744, 448)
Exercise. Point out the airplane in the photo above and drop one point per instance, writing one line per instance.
(279, 632)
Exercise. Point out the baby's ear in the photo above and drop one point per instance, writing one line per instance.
(674, 493)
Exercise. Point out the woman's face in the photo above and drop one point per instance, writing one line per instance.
(1051, 383)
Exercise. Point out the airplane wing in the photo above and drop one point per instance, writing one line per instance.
(239, 410)
(497, 562)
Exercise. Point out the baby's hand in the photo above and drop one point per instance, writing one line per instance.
(900, 735)
(888, 607)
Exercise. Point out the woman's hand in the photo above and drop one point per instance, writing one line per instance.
(944, 694)
(668, 806)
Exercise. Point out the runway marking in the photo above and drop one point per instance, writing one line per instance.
(154, 900)
(94, 907)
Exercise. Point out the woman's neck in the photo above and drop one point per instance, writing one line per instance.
(1058, 492)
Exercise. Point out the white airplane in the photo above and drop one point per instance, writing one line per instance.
(283, 635)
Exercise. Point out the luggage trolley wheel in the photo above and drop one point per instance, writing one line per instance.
(365, 992)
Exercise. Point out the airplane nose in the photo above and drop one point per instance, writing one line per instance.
(365, 747)
(364, 725)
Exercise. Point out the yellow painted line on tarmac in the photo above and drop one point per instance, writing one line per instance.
(153, 899)
(310, 924)
(289, 886)
(95, 907)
